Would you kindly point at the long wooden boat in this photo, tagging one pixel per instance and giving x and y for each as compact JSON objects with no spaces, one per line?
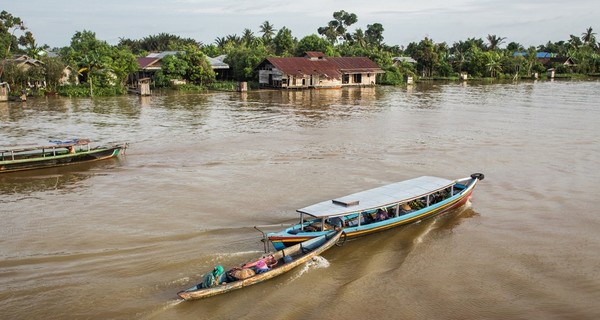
{"x":56,"y":153}
{"x":287,"y":259}
{"x":378,"y":209}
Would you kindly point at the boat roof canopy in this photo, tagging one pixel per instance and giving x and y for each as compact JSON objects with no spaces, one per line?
{"x":378,"y":197}
{"x":55,"y":144}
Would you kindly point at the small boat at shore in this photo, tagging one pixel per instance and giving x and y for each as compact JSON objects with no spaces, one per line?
{"x":284,"y":260}
{"x":56,"y":153}
{"x":378,"y":209}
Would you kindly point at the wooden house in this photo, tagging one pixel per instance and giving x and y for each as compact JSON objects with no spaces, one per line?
{"x":556,"y":61}
{"x":315,"y":70}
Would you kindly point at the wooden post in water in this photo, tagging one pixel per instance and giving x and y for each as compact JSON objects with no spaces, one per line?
{"x":243,"y":86}
{"x":4,"y":89}
{"x":144,"y":87}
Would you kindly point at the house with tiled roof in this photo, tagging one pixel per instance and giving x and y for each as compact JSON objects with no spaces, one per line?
{"x":315,"y":70}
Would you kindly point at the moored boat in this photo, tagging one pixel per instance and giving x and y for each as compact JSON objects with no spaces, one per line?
{"x":379,"y":209}
{"x":56,"y":153}
{"x":285,"y":259}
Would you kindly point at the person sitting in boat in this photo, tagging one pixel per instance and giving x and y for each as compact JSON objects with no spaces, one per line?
{"x":381,"y":215}
{"x":211,"y":279}
{"x":262,"y":265}
{"x":336,"y":222}
{"x":71,"y":149}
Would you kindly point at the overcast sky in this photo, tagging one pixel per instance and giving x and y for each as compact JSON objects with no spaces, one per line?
{"x":528,"y":22}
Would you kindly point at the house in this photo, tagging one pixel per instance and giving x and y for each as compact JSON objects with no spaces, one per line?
{"x":221,"y":69}
{"x":315,"y":70}
{"x":539,"y":55}
{"x":399,"y":60}
{"x":153,"y":62}
{"x":24,"y":63}
{"x":557,"y":61}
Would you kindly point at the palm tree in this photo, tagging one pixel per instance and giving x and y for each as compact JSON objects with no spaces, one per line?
{"x":588,"y":37}
{"x":495,"y":41}
{"x":220,"y":42}
{"x":268,"y":30}
{"x":574,"y":42}
{"x":359,"y":38}
{"x":247,"y":37}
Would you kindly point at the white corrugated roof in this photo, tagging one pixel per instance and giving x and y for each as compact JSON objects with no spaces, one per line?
{"x":378,"y":197}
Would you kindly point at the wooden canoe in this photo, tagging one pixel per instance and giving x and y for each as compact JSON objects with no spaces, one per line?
{"x":287,"y":259}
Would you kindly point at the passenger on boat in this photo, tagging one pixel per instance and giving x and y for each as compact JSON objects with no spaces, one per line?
{"x":211,"y":279}
{"x":262,"y":265}
{"x":336,"y":222}
{"x":381,"y":215}
{"x":71,"y":149}
{"x":406,"y":207}
{"x":354,"y":221}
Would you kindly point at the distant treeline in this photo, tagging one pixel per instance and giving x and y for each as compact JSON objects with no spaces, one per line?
{"x":104,"y":69}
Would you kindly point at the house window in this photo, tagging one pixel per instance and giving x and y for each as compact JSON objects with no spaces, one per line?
{"x":345,"y":79}
{"x":357,"y":78}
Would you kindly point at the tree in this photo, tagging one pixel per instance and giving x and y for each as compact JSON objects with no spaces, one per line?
{"x":494,"y":41}
{"x":172,"y":68}
{"x":493,"y":63}
{"x":514,"y":47}
{"x":9,"y":24}
{"x":268,"y":31}
{"x":424,"y":53}
{"x":199,"y":69}
{"x":284,"y":42}
{"x":359,"y":38}
{"x":336,"y":29}
{"x":248,"y":37}
{"x":314,"y":43}
{"x":243,"y":60}
{"x":54,"y":68}
{"x":374,"y":34}
{"x":589,"y":37}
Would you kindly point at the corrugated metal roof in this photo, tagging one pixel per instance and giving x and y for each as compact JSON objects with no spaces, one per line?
{"x":217,"y":62}
{"x":299,"y":66}
{"x":355,"y":64}
{"x":378,"y":197}
{"x":330,"y":67}
{"x":145,"y":62}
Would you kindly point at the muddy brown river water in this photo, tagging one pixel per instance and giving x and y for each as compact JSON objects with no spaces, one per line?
{"x":118,"y":239}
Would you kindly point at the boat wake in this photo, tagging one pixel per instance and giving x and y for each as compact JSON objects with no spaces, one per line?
{"x":317,"y":262}
{"x":158,"y":312}
{"x":433,"y":225}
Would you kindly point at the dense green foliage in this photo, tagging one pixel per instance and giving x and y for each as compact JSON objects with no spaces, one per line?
{"x":105,"y":69}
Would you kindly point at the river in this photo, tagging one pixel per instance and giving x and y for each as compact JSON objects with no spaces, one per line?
{"x":118,"y":239}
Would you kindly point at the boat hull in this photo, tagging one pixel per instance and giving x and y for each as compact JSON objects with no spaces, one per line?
{"x":60,"y":160}
{"x":286,"y":238}
{"x":300,"y":253}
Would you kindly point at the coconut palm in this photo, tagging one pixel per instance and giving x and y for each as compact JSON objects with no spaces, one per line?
{"x":268,"y":31}
{"x":588,"y":37}
{"x":494,"y":41}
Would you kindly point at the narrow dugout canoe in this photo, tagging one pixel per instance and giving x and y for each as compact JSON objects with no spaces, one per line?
{"x":287,"y":259}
